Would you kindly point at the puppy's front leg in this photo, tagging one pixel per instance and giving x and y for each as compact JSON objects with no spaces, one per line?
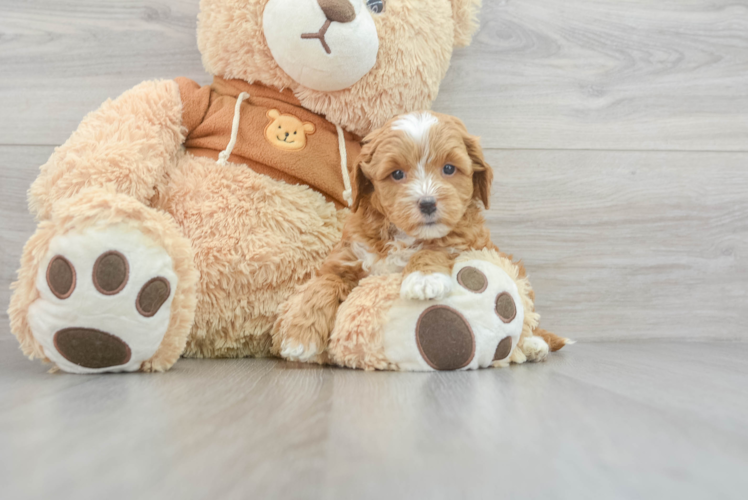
{"x":304,"y":324}
{"x":428,"y":275}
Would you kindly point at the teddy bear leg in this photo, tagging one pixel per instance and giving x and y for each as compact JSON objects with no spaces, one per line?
{"x":357,"y":340}
{"x":487,"y":320}
{"x":106,"y":285}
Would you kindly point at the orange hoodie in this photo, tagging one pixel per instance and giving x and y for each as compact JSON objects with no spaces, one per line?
{"x":276,"y":135}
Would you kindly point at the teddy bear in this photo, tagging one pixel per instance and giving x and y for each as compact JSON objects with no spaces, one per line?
{"x":178,"y":218}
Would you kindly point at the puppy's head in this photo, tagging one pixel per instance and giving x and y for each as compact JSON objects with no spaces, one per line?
{"x":422,"y":171}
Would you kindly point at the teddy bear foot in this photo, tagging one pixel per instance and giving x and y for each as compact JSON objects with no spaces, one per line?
{"x":485,"y":320}
{"x":104,"y":300}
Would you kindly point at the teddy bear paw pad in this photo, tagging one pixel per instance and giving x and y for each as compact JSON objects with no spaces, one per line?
{"x":104,"y":300}
{"x":444,"y":338}
{"x":476,"y":325}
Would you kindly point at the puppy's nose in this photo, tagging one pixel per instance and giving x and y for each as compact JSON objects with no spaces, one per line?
{"x":339,"y":11}
{"x":427,"y":206}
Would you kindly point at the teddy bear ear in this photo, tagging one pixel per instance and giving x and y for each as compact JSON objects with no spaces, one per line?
{"x":309,"y":127}
{"x":273,"y":113}
{"x":465,"y":15}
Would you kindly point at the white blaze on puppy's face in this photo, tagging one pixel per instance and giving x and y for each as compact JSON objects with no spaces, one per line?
{"x":419,"y":172}
{"x":417,"y":126}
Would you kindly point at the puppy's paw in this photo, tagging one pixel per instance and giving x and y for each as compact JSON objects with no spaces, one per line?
{"x":419,"y":286}
{"x":535,"y":349}
{"x":299,"y":352}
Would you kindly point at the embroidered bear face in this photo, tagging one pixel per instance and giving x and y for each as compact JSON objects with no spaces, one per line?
{"x":286,"y":131}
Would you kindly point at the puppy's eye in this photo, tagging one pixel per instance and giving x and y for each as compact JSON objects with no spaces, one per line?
{"x":398,"y":175}
{"x":449,"y":169}
{"x":376,"y":6}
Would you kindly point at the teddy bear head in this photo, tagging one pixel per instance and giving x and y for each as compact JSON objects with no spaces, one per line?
{"x":358,"y":62}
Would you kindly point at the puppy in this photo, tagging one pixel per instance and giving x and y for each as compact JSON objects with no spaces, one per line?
{"x":420,"y":185}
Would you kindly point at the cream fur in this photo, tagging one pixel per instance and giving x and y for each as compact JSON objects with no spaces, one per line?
{"x":357,"y":340}
{"x":263,"y":239}
{"x":129,"y":143}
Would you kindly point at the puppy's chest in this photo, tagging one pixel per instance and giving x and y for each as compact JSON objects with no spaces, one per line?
{"x":393,"y":260}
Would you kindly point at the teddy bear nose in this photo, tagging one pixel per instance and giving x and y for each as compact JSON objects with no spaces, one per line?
{"x":339,"y":11}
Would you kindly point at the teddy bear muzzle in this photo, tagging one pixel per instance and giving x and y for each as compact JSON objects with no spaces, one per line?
{"x":325,"y":45}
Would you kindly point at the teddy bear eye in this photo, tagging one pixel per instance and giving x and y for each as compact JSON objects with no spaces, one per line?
{"x":294,"y":133}
{"x":376,"y":6}
{"x":449,"y":169}
{"x":398,"y":175}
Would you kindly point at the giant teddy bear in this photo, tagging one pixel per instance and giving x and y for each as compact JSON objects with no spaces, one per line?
{"x":178,"y":219}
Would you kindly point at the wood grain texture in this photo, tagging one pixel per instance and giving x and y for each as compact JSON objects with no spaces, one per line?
{"x":579,"y":74}
{"x":603,"y":420}
{"x":62,"y":59}
{"x":19,"y":166}
{"x":628,"y":244}
{"x":605,"y":74}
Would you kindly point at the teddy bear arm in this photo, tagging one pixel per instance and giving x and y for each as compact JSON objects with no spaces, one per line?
{"x":127,"y":145}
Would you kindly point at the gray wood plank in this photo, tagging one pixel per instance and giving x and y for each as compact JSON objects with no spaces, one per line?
{"x":61,"y":60}
{"x":605,"y":74}
{"x":580,"y":74}
{"x":628,"y":244}
{"x":19,"y":166}
{"x":578,"y":426}
{"x":617,"y":244}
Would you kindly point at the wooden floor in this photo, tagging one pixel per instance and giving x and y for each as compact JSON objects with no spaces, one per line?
{"x":605,"y":420}
{"x":619,"y":135}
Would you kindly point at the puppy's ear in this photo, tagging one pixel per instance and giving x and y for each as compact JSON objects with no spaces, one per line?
{"x":465,"y":15}
{"x":482,"y":171}
{"x":360,"y":184}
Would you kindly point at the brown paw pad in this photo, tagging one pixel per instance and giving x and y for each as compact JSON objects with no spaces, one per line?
{"x":152,"y":296}
{"x":61,"y":277}
{"x":472,"y":279}
{"x":503,"y":350}
{"x":91,"y":348}
{"x":505,"y":307}
{"x":110,"y":272}
{"x":445,"y":338}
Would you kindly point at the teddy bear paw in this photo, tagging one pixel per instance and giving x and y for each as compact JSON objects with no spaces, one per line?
{"x":104,"y":300}
{"x":476,"y":324}
{"x":419,"y":286}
